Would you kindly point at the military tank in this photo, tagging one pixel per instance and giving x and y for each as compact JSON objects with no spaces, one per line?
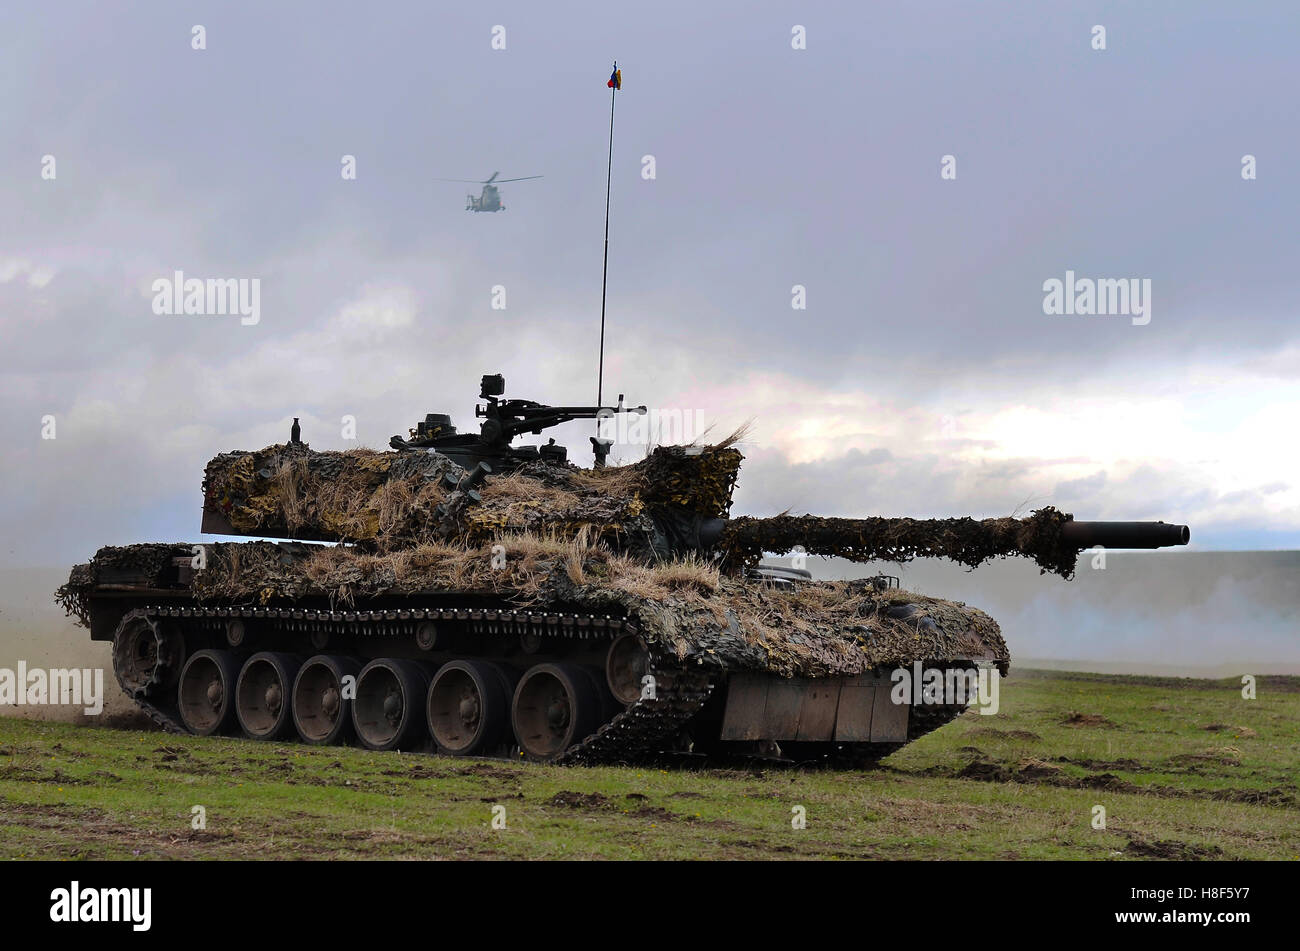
{"x":460,"y":594}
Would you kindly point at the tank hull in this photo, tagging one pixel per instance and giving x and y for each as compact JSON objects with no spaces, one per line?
{"x":742,"y":669}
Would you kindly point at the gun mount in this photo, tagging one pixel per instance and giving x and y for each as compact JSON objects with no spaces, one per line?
{"x":503,"y":420}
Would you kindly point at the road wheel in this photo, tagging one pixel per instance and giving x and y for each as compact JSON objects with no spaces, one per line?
{"x":555,"y":706}
{"x":206,"y":695}
{"x":262,"y":695}
{"x":322,"y":714}
{"x":469,"y":707}
{"x":625,"y":664}
{"x":388,"y":712}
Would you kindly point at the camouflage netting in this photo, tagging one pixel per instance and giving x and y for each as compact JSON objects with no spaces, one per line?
{"x":700,"y":479}
{"x":684,"y":607}
{"x":292,"y":492}
{"x":126,"y":566}
{"x":72,"y":595}
{"x":392,"y":499}
{"x":964,"y":540}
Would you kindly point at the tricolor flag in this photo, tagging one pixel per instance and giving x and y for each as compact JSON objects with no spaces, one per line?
{"x":615,"y":79}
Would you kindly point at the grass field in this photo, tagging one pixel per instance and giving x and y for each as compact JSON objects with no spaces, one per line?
{"x":1183,"y":769}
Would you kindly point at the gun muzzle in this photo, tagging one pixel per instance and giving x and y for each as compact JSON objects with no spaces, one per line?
{"x":1124,"y":534}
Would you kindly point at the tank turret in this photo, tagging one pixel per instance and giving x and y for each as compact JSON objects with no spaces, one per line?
{"x":674,"y":503}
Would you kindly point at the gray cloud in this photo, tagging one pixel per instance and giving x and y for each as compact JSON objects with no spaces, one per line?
{"x":775,"y":168}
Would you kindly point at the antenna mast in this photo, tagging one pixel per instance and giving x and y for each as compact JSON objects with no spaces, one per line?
{"x":615,"y":83}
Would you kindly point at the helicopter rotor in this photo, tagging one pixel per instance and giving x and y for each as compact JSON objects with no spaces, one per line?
{"x":488,"y":181}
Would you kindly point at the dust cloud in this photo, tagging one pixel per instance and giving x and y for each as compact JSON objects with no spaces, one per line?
{"x":34,"y":629}
{"x":1180,"y":613}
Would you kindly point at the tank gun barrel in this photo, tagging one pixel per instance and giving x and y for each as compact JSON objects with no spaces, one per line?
{"x":1051,"y":538}
{"x":1124,"y":534}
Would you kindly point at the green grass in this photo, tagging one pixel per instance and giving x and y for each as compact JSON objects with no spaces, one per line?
{"x":1020,"y":784}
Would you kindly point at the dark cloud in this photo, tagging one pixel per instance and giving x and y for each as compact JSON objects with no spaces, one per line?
{"x":776,"y":167}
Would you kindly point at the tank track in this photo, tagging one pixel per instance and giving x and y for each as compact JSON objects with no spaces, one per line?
{"x":368,"y":622}
{"x":650,"y":725}
{"x":140,"y":695}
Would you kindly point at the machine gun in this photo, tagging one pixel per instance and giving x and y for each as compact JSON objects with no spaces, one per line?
{"x":503,"y":420}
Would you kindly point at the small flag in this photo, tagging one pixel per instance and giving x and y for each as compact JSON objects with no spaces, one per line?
{"x":615,"y":79}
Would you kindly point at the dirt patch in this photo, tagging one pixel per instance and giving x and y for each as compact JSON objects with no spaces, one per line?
{"x":1171,"y":849}
{"x":71,"y":754}
{"x":1238,"y":732}
{"x":96,"y":835}
{"x":34,"y":774}
{"x":983,"y":770}
{"x":1130,"y":765}
{"x":1106,"y":781}
{"x":1039,"y":771}
{"x":1074,"y":718}
{"x":577,"y":800}
{"x":1277,"y":796}
{"x":1036,"y":769}
{"x":1219,"y":756}
{"x":133,"y":720}
{"x":415,"y":772}
{"x":487,"y":771}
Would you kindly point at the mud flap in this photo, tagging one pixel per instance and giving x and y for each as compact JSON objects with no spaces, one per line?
{"x":844,"y":709}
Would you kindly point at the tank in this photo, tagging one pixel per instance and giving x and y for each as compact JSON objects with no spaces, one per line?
{"x":461,"y":594}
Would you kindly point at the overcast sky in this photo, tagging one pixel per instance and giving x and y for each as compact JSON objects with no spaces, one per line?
{"x":922,"y":378}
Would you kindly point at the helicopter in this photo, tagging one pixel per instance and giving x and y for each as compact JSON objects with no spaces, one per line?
{"x":490,"y":199}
